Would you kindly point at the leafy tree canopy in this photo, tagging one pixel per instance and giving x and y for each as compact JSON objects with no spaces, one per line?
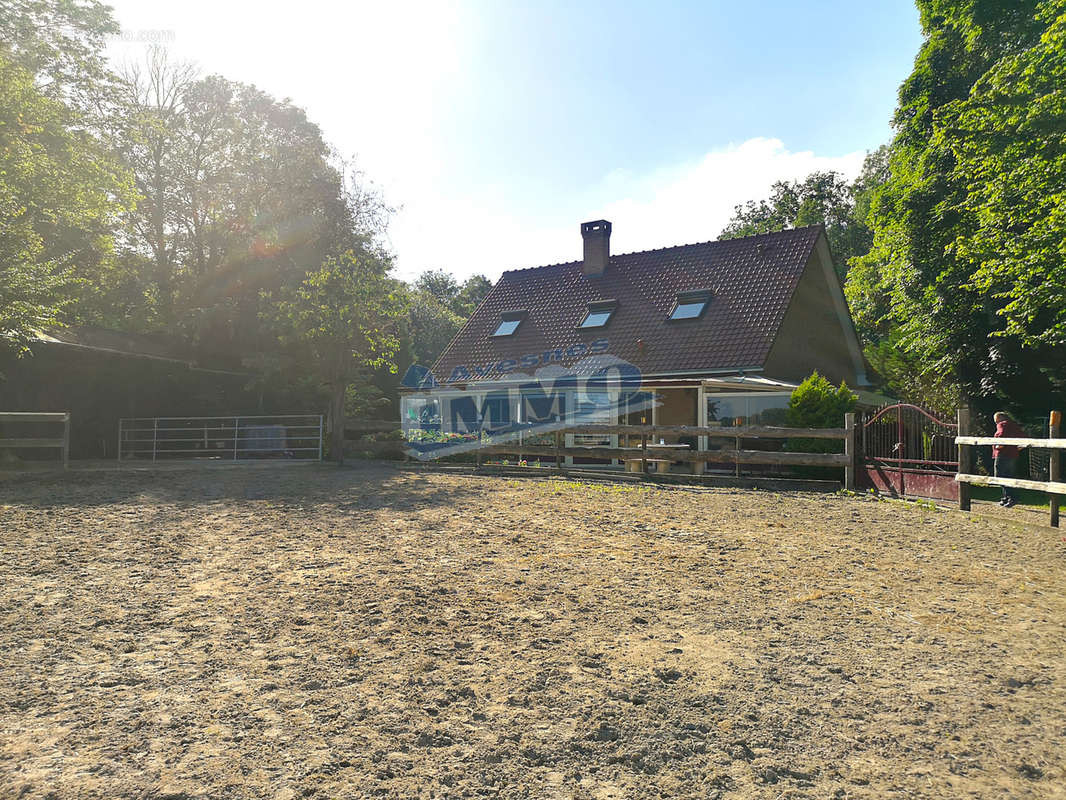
{"x":439,"y":305}
{"x":59,"y":194}
{"x":61,"y":44}
{"x":337,"y":326}
{"x":822,"y":198}
{"x":966,"y":272}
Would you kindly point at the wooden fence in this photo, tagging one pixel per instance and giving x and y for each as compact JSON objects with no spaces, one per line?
{"x":646,"y":452}
{"x":58,"y":443}
{"x":1053,"y":486}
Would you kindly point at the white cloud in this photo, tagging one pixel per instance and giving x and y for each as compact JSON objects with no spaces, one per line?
{"x":679,"y":204}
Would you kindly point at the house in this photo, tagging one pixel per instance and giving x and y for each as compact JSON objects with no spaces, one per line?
{"x":715,"y":333}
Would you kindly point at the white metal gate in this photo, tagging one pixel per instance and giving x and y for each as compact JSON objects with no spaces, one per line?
{"x":293,"y":437}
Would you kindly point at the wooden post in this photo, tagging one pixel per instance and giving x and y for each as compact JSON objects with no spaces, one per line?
{"x":477,"y":454}
{"x":850,"y":450}
{"x":1054,"y":465}
{"x":558,"y":447}
{"x":644,"y":453}
{"x":66,"y":440}
{"x":965,"y":459}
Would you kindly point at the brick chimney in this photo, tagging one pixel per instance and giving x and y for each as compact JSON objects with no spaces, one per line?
{"x":597,"y":236}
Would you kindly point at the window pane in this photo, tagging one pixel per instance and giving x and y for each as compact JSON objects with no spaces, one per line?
{"x":767,"y":410}
{"x":593,"y":407}
{"x":688,"y":310}
{"x":724,"y":410}
{"x":596,"y":319}
{"x":507,"y":327}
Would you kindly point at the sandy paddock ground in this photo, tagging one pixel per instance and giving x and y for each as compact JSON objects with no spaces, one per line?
{"x":367,"y":632}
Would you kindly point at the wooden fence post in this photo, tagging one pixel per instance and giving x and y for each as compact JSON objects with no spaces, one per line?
{"x":644,"y":453}
{"x":66,"y":440}
{"x":965,"y":459}
{"x":558,"y":447}
{"x":850,"y":451}
{"x":477,"y":456}
{"x":1054,"y":465}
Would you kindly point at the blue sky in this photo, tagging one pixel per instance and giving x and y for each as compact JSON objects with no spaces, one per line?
{"x":496,"y":127}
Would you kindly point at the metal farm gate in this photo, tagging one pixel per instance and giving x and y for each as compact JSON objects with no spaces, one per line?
{"x":295,"y":437}
{"x":909,"y":452}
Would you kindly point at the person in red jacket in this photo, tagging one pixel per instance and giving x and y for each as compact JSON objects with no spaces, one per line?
{"x":1006,"y":455}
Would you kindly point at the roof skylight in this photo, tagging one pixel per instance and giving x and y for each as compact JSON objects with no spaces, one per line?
{"x":598,"y":314}
{"x":691,"y":305}
{"x":509,"y":322}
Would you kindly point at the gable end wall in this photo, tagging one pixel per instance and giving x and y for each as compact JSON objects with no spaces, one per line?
{"x":811,"y":336}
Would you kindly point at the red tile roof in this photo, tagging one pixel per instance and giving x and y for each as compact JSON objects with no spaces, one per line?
{"x":751,"y":279}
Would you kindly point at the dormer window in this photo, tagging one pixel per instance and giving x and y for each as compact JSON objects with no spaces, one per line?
{"x":598,"y":314}
{"x":691,"y":305}
{"x":509,"y":322}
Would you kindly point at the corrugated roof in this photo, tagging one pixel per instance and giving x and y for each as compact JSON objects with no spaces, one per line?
{"x":752,"y":280}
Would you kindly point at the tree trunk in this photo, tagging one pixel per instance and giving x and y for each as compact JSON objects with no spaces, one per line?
{"x":336,"y":446}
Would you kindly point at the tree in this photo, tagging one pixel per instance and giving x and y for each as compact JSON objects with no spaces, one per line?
{"x":474,"y":289}
{"x":439,"y":305}
{"x":438,"y":284}
{"x":61,"y":44}
{"x":59,"y":194}
{"x":240,"y":194}
{"x":964,"y":276}
{"x":1008,"y":140}
{"x":431,"y":325}
{"x":822,"y":198}
{"x":337,"y":326}
{"x":461,"y":299}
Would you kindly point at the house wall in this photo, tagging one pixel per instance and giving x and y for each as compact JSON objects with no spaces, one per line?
{"x":811,"y":335}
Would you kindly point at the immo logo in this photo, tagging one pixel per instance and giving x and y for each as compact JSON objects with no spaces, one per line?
{"x":496,"y":402}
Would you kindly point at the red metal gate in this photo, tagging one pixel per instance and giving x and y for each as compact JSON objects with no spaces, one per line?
{"x":909,"y":452}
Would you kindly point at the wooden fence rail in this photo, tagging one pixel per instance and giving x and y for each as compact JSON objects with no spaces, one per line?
{"x":1053,"y":486}
{"x":712,"y":432}
{"x":1047,"y":444}
{"x":697,"y":456}
{"x":647,"y":452}
{"x":59,"y":443}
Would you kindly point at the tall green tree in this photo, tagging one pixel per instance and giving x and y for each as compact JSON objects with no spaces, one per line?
{"x":431,"y":325}
{"x":60,"y":188}
{"x":240,"y":194}
{"x":822,"y":198}
{"x":337,"y":327}
{"x":964,"y":278}
{"x":474,"y":289}
{"x":461,"y":299}
{"x":439,"y":305}
{"x":59,"y":196}
{"x":61,"y":44}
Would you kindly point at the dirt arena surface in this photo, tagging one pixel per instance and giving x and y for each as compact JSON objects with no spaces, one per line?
{"x":367,"y":632}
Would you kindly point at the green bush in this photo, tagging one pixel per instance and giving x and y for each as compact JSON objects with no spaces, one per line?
{"x":815,"y":403}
